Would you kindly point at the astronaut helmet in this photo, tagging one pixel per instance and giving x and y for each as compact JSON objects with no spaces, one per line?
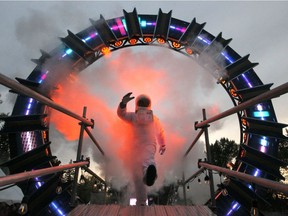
{"x":143,"y":101}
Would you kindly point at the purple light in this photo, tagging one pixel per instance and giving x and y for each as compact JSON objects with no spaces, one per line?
{"x":264,"y":142}
{"x":43,"y":76}
{"x":121,"y":26}
{"x":235,"y":207}
{"x":263,"y":149}
{"x":247,"y":81}
{"x":256,"y":172}
{"x":181,"y":29}
{"x":29,"y":106}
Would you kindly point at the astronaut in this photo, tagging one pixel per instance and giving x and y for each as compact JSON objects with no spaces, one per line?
{"x":147,"y":133}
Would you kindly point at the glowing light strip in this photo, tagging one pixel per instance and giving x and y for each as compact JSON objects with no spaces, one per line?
{"x":121,"y":26}
{"x":263,"y":149}
{"x":56,"y":208}
{"x":264,"y":142}
{"x":29,"y":106}
{"x":261,"y":114}
{"x":67,"y":52}
{"x":235,"y":207}
{"x":28,"y":135}
{"x":247,"y":81}
{"x":43,"y":77}
{"x":256,"y":173}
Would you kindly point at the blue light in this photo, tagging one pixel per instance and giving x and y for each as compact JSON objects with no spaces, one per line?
{"x":264,"y":142}
{"x":235,"y":207}
{"x":247,"y":81}
{"x":143,"y":23}
{"x":261,"y":114}
{"x":256,"y":172}
{"x":204,"y":40}
{"x":57,"y":208}
{"x":68,"y":51}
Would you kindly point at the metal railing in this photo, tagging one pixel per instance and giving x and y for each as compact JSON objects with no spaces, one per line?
{"x":276,"y":92}
{"x":84,"y":122}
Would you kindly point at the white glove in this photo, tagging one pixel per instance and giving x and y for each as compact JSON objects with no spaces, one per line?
{"x":162,"y":149}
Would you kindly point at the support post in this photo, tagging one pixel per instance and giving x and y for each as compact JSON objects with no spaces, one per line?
{"x":209,"y":158}
{"x":184,"y":189}
{"x":94,"y":140}
{"x":276,"y":92}
{"x":78,"y":158}
{"x":194,"y":142}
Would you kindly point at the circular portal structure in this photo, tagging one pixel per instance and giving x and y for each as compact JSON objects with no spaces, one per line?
{"x":28,"y":126}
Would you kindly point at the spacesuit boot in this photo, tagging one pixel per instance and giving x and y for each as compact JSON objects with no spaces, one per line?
{"x":150,"y":175}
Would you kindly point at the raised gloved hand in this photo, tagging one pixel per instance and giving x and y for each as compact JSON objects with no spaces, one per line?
{"x":127,"y":98}
{"x":162,"y":149}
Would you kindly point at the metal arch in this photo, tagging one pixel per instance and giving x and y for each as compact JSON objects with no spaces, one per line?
{"x":188,"y":36}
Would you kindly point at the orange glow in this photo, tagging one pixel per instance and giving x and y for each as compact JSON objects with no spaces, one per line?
{"x":176,"y":45}
{"x":189,"y":50}
{"x":161,"y":40}
{"x":133,"y":41}
{"x":102,"y":90}
{"x":242,"y":153}
{"x":147,"y":39}
{"x":105,"y":50}
{"x":118,"y":43}
{"x":245,"y":137}
{"x":244,"y":122}
{"x":232,"y":92}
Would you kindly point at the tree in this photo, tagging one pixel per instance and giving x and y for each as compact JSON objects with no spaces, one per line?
{"x":4,"y":143}
{"x":223,"y":150}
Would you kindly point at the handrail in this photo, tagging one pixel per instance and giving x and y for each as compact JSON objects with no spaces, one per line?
{"x":276,"y":92}
{"x":14,"y":178}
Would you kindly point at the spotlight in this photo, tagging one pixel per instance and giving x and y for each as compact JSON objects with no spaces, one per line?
{"x":199,"y":181}
{"x":59,"y":189}
{"x":188,"y":187}
{"x":161,"y":40}
{"x":105,"y":50}
{"x":118,"y":43}
{"x":23,"y":209}
{"x":233,"y":92}
{"x":244,"y":122}
{"x":147,"y":39}
{"x":133,"y":41}
{"x":189,"y":50}
{"x":242,"y":153}
{"x":176,"y":45}
{"x":224,"y":192}
{"x":82,"y":180}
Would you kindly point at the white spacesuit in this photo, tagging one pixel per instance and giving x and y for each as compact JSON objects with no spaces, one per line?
{"x":147,"y":133}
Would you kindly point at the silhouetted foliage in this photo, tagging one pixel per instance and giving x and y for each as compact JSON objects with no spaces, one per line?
{"x":222,"y":151}
{"x":4,"y":144}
